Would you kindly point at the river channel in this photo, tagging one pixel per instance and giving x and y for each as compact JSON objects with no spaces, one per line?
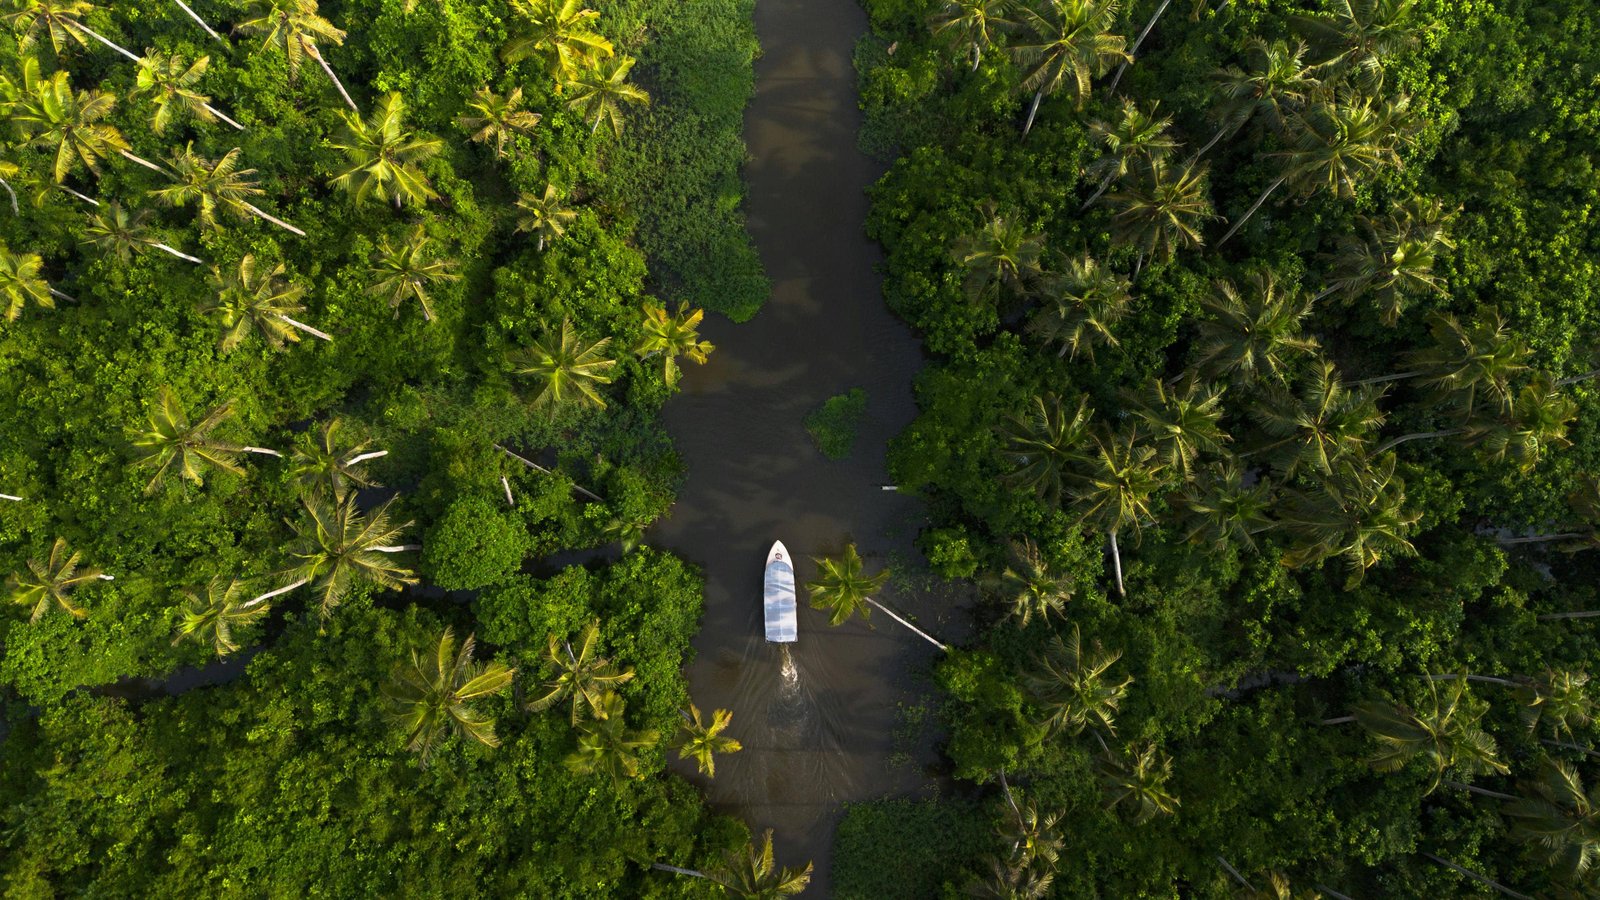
{"x":822,"y":735}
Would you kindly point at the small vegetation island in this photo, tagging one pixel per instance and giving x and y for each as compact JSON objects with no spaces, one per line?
{"x":1257,"y":427}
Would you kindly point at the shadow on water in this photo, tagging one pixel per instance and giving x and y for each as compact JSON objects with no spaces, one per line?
{"x":825,"y":737}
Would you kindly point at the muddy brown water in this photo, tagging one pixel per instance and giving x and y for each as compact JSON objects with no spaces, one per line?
{"x":824,"y":736}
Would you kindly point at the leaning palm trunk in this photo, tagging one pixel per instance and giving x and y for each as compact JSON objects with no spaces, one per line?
{"x":1116,"y":561}
{"x":314,"y":53}
{"x":1582,"y":614}
{"x":1253,"y":207}
{"x":1541,"y":538}
{"x":1481,"y":679}
{"x":201,"y":22}
{"x":221,"y":115}
{"x":89,"y":200}
{"x":1562,"y":383}
{"x":1417,"y":436}
{"x":143,"y":162}
{"x":663,"y":867}
{"x":365,"y":456}
{"x":304,"y":327}
{"x":1474,"y":789}
{"x":12,"y":497}
{"x":12,"y":194}
{"x":179,"y":254}
{"x":261,"y":450}
{"x":97,"y":36}
{"x":1587,"y":751}
{"x":1137,"y":41}
{"x":401,"y":548}
{"x":1221,"y":132}
{"x":1104,"y":183}
{"x":1476,"y":877}
{"x":68,"y":297}
{"x":920,"y":633}
{"x":1033,"y":110}
{"x":273,"y":593}
{"x":273,"y":219}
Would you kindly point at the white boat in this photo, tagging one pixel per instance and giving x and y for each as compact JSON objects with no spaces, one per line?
{"x":783,"y":626}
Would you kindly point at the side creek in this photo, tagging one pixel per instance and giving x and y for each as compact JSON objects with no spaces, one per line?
{"x":822,"y":734}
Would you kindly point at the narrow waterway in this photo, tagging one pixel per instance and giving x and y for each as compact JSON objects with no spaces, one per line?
{"x":822,"y":734}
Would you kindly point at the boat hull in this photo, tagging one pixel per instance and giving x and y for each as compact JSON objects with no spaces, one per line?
{"x":778,"y":597}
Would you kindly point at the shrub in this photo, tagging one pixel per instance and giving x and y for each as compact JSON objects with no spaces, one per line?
{"x":834,"y":424}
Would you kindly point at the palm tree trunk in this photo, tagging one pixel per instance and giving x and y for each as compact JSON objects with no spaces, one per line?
{"x":1390,"y":445}
{"x":56,"y":293}
{"x":1033,"y":110}
{"x":89,"y":200}
{"x":1578,"y":747}
{"x":1137,"y":42}
{"x":12,"y":497}
{"x":538,"y":468}
{"x":1476,"y":877}
{"x":221,"y":115}
{"x":506,"y":483}
{"x":977,"y":55}
{"x":1541,"y":538}
{"x":1228,"y":867}
{"x":365,"y":456}
{"x":398,"y":548}
{"x":96,"y":35}
{"x":179,"y":254}
{"x":1474,"y":789}
{"x":312,"y":51}
{"x":1331,"y":892}
{"x":1211,"y":143}
{"x":273,"y":219}
{"x":273,"y":593}
{"x":306,"y":328}
{"x":201,"y":22}
{"x":663,"y":867}
{"x":1009,"y":799}
{"x":1585,"y":614}
{"x":1482,"y":679}
{"x":1105,"y":183}
{"x":1564,"y":381}
{"x":1253,"y":207}
{"x":920,"y":633}
{"x":1341,"y":720}
{"x":12,"y":194}
{"x":144,"y":162}
{"x":1381,"y":379}
{"x":1116,"y":559}
{"x":262,"y":450}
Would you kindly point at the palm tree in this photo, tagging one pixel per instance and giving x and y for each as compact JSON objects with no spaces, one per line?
{"x":384,"y":157}
{"x":700,"y":741}
{"x":1359,"y":35}
{"x":212,"y":618}
{"x":1000,"y":254}
{"x":1137,"y":135}
{"x":844,"y":592}
{"x":1358,"y":513}
{"x":1445,"y":733}
{"x":1033,"y":836}
{"x":1277,"y":85}
{"x":323,"y":459}
{"x":52,"y":116}
{"x":975,"y":24}
{"x":751,"y":874}
{"x":602,"y":93}
{"x":170,"y":80}
{"x":337,"y":544}
{"x":1562,"y":818}
{"x":567,"y":367}
{"x":1010,"y":880}
{"x":1120,"y":481}
{"x":404,"y":271}
{"x":1065,"y":40}
{"x":1186,"y":420}
{"x":21,"y":283}
{"x":1082,"y":304}
{"x":1162,"y":210}
{"x":171,"y":440}
{"x":1219,"y":508}
{"x":294,"y":27}
{"x":249,"y":301}
{"x":546,"y":215}
{"x":1325,"y":421}
{"x":58,"y":19}
{"x":1030,"y":586}
{"x":1042,"y":444}
{"x":1339,"y":143}
{"x":1559,"y":698}
{"x":581,"y":676}
{"x":434,"y":694}
{"x":1537,"y":421}
{"x":1140,"y":780}
{"x":1254,"y":335}
{"x":1071,"y":686}
{"x":671,"y":335}
{"x":219,"y":185}
{"x":51,"y":583}
{"x":560,"y":33}
{"x":497,"y":119}
{"x":1394,"y":258}
{"x":1466,"y":359}
{"x":116,"y":231}
{"x":606,"y":744}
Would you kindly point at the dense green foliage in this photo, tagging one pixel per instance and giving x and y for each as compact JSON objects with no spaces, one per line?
{"x":1262,"y":417}
{"x":289,"y":355}
{"x":835,"y":423}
